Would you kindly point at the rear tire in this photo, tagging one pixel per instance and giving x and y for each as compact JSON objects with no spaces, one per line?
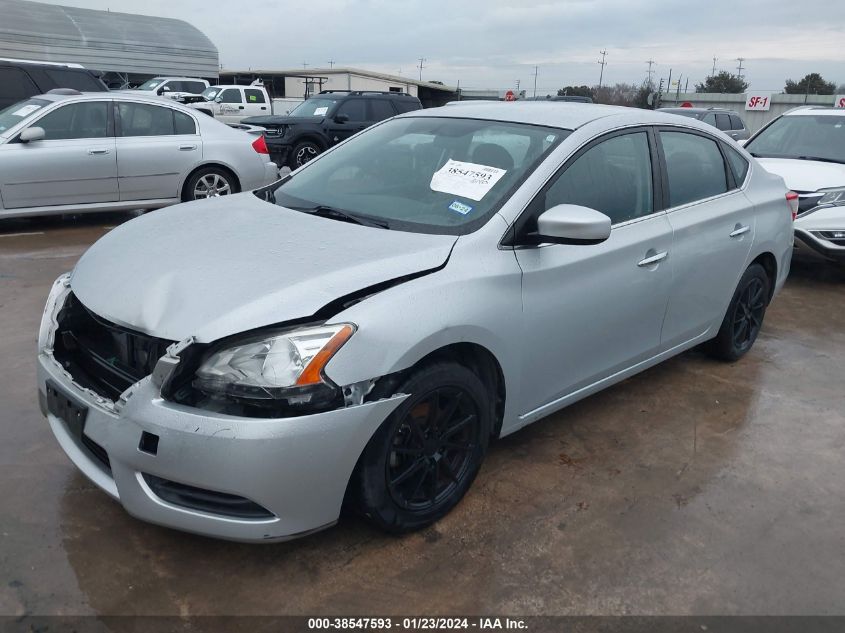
{"x":421,"y":461}
{"x":744,"y":318}
{"x":210,"y":182}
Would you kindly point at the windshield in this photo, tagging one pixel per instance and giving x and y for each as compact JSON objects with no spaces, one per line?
{"x":210,"y":93}
{"x":16,"y":113}
{"x":428,"y":175}
{"x":807,"y":136}
{"x":151,"y":84}
{"x":313,"y":107}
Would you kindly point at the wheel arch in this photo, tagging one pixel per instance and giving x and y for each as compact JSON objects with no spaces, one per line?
{"x":770,"y":264}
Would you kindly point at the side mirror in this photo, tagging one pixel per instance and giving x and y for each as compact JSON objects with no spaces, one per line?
{"x":573,"y":224}
{"x":341,"y":118}
{"x":32,"y":134}
{"x":218,"y":100}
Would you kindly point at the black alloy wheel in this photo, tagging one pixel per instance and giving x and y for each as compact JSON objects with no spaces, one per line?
{"x":744,"y":318}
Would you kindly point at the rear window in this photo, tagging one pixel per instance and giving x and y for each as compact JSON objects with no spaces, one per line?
{"x":76,"y":79}
{"x":15,"y":85}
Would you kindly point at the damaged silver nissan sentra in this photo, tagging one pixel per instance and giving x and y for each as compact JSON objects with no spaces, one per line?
{"x":358,"y":331}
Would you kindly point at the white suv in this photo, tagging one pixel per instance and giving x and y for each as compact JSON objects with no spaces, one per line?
{"x":806,"y":147}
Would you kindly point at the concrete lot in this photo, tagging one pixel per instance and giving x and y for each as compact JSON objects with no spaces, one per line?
{"x":695,"y":487}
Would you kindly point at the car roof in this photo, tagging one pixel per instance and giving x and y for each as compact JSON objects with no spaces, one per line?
{"x":560,"y":114}
{"x":121,"y":95}
{"x":680,"y":109}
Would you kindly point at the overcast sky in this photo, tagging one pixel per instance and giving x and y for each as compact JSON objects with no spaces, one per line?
{"x":492,"y":43}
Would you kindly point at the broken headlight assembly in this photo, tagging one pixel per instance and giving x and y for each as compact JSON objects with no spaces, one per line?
{"x":271,"y":374}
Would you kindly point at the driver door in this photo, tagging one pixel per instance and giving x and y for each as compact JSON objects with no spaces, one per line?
{"x":591,"y":311}
{"x":356,"y":111}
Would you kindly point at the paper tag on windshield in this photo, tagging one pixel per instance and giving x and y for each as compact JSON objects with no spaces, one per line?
{"x":320,"y":111}
{"x":27,"y":109}
{"x":467,"y":180}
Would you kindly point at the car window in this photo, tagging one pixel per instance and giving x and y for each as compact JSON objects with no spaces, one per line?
{"x":354,"y":109}
{"x":694,"y":166}
{"x":171,"y":86}
{"x":150,"y":84}
{"x":183,"y":123}
{"x":231,"y":95}
{"x":738,"y":164}
{"x":194,"y":87}
{"x":88,"y":119}
{"x":736,"y":123}
{"x":723,"y":122}
{"x":142,"y":119}
{"x":15,"y":85}
{"x":709,"y":119}
{"x":254,"y":96}
{"x":613,"y":177}
{"x":380,"y":109}
{"x":76,"y":79}
{"x":406,"y":105}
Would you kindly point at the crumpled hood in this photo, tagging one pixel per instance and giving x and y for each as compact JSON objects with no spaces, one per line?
{"x":806,"y":175}
{"x":218,"y":267}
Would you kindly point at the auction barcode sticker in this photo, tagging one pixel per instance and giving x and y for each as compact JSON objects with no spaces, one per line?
{"x":467,"y":180}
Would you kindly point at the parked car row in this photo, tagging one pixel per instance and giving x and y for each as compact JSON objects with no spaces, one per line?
{"x":359,"y":331}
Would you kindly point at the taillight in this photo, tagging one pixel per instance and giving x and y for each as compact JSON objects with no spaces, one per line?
{"x":792,"y":201}
{"x":260,"y":145}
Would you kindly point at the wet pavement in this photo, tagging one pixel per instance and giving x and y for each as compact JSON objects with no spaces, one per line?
{"x":694,"y":488}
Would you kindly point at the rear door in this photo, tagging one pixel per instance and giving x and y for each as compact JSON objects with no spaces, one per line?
{"x":713,"y":224}
{"x":380,"y":109}
{"x":74,"y":164}
{"x":157,"y":146}
{"x":255,"y":103}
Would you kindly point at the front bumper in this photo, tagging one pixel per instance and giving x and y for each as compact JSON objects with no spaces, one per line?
{"x":296,"y":468}
{"x":279,"y":149}
{"x":812,"y":246}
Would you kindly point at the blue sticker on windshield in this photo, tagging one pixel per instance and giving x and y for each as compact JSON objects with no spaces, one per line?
{"x":459,"y":207}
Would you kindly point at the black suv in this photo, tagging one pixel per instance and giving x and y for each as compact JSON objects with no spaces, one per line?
{"x":21,"y":80}
{"x":327,"y":119}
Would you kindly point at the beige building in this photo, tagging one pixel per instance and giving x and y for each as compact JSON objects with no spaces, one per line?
{"x":299,"y":83}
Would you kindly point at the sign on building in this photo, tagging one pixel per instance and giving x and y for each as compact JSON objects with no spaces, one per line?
{"x":839,"y":101}
{"x":758,"y":101}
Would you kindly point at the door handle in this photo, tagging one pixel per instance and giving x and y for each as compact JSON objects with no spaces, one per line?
{"x":263,"y":108}
{"x":740,"y":230}
{"x":240,"y":107}
{"x":187,"y":148}
{"x":98,"y":151}
{"x":652,"y":258}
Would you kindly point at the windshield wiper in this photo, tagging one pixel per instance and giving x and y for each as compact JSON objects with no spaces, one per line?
{"x":338,"y":214}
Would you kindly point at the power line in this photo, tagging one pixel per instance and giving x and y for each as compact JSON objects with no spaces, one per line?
{"x":603,"y":63}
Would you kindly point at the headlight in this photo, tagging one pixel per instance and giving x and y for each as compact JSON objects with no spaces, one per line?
{"x":55,"y":301}
{"x":833,"y":197}
{"x":282,"y":366}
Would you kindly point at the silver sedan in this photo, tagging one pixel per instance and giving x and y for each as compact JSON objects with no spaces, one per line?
{"x":362,"y":329}
{"x":69,"y":152}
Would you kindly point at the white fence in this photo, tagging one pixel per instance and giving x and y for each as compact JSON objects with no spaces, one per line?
{"x":754,"y":118}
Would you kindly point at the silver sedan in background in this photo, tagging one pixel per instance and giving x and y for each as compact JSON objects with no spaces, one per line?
{"x":69,"y":152}
{"x":363,"y":328}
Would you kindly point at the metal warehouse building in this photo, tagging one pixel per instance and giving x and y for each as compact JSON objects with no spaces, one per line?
{"x":125,"y":46}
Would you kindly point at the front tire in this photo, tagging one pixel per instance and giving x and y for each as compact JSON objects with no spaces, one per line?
{"x":744,"y":318}
{"x":424,"y":457}
{"x":303,"y":152}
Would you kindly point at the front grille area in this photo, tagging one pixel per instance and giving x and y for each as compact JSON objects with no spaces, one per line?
{"x":102,"y":356}
{"x":210,"y":501}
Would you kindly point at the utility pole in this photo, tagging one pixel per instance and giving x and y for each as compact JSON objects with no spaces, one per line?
{"x":603,"y":63}
{"x":517,"y":86}
{"x":422,"y":60}
{"x":713,"y":74}
{"x":304,"y":65}
{"x":739,"y":68}
{"x":650,"y":71}
{"x":536,"y":70}
{"x":330,"y":63}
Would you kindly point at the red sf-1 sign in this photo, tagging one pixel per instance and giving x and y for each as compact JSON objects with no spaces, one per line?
{"x":839,"y":101}
{"x":510,"y":96}
{"x":758,"y":101}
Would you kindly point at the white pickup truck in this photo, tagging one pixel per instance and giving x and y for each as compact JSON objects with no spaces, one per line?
{"x":231,"y":103}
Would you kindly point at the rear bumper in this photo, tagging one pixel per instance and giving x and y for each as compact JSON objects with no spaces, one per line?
{"x":296,"y":469}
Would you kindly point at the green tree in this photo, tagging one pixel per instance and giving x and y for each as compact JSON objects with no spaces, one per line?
{"x":723,"y":82}
{"x":812,"y":84}
{"x":576,"y":91}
